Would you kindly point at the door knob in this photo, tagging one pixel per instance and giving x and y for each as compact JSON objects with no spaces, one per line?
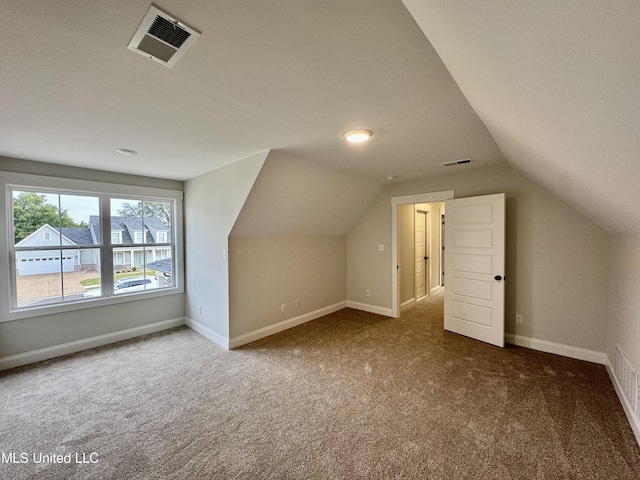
{"x":426,"y":258}
{"x":498,"y":277}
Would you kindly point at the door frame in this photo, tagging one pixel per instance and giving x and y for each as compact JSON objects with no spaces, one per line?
{"x":429,"y":197}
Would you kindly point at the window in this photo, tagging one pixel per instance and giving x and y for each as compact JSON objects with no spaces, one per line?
{"x":58,"y":249}
{"x":161,"y":237}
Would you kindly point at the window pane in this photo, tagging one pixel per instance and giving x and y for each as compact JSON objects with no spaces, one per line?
{"x":130,"y":273}
{"x":36,"y":219}
{"x":162,"y":264}
{"x":40,"y":218}
{"x":81,"y":220}
{"x":142,"y":221}
{"x":54,"y":276}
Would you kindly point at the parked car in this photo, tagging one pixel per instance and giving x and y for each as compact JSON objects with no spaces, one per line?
{"x":126,"y":285}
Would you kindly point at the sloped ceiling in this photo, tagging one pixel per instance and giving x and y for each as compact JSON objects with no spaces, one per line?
{"x":551,"y":85}
{"x":558,"y":86}
{"x":293,"y":196}
{"x":287,"y":75}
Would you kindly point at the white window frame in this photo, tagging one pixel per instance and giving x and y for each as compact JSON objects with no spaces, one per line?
{"x":105,"y":191}
{"x":138,"y":236}
{"x":47,"y":236}
{"x":119,"y":235}
{"x":161,"y":237}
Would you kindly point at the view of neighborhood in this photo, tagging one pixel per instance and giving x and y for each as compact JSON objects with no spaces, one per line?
{"x":59,"y":243}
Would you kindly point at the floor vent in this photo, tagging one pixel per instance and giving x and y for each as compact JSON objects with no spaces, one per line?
{"x":162,"y":38}
{"x":456,"y":162}
{"x":626,"y":376}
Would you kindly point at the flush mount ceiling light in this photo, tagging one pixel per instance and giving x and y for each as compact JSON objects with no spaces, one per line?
{"x":358,"y":136}
{"x":126,"y":151}
{"x":391,"y":177}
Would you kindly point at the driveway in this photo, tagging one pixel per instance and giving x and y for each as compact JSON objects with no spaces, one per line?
{"x":32,"y":288}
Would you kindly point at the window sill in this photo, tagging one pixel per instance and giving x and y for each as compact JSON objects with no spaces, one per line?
{"x":33,"y":312}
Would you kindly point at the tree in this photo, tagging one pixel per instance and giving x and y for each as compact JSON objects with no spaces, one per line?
{"x":159,"y":210}
{"x":30,"y":212}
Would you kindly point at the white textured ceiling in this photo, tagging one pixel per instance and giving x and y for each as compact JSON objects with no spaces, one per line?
{"x":291,"y":75}
{"x":558,"y":85}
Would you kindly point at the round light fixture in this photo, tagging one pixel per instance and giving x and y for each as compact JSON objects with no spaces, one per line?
{"x":391,"y":177}
{"x":358,"y":136}
{"x":126,"y":151}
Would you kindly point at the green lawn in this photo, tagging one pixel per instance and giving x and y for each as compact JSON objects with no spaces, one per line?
{"x":94,"y":282}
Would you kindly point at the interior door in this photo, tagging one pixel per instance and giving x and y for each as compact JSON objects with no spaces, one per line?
{"x":474,"y":255}
{"x":421,"y":253}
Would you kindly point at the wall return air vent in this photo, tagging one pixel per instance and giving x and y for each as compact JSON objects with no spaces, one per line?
{"x":162,"y":38}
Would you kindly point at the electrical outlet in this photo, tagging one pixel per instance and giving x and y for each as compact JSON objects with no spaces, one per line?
{"x":225,"y":255}
{"x":283,"y":307}
{"x":367,"y":293}
{"x":518,"y":319}
{"x":381,"y":248}
{"x":298,"y":303}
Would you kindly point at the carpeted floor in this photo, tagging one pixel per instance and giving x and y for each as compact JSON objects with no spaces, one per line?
{"x":351,"y":395}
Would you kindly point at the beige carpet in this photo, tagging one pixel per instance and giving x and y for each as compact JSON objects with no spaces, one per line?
{"x":351,"y":395}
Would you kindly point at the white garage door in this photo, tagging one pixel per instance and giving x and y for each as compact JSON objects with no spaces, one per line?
{"x":41,"y":265}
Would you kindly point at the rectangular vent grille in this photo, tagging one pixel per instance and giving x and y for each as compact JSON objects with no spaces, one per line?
{"x":456,"y":162}
{"x":171,"y":33}
{"x":162,"y":38}
{"x":626,"y":376}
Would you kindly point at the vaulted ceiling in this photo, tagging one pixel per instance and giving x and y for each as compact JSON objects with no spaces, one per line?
{"x":558,"y":86}
{"x":549,"y":87}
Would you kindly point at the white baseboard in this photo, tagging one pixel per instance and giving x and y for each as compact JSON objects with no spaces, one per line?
{"x":284,"y":325}
{"x":557,"y":348}
{"x":437,"y":289}
{"x":207,"y":333}
{"x":408,"y":304}
{"x":86,"y":343}
{"x":634,"y":420}
{"x":370,"y":308}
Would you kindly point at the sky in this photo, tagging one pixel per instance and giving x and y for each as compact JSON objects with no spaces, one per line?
{"x":80,"y":208}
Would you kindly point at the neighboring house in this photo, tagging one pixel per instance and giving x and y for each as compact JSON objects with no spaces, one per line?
{"x":164,"y":271}
{"x":48,"y":261}
{"x":124,"y":231}
{"x":135,"y":230}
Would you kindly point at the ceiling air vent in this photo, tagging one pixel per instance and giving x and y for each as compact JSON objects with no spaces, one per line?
{"x":456,"y":162}
{"x":162,"y":38}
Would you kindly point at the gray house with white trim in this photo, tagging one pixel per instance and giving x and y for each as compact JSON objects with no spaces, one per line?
{"x":138,"y":236}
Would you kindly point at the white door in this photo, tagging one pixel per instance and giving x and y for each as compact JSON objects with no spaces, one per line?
{"x":474,"y":255}
{"x":421,"y":253}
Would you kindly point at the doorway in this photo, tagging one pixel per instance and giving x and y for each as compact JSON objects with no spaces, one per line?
{"x":398,"y":275}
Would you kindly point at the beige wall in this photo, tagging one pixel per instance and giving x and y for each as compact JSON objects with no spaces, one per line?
{"x":557,"y":260}
{"x":266,"y":272}
{"x":212,"y":204}
{"x":623,"y":309}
